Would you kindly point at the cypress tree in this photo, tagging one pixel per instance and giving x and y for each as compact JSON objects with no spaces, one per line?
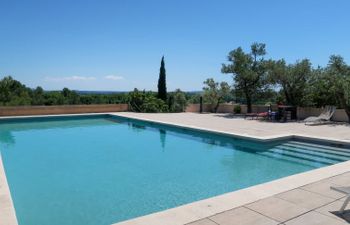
{"x":162,"y":82}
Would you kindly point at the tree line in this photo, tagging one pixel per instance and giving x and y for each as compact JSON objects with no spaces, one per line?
{"x":14,"y":93}
{"x":296,"y":84}
{"x":256,"y":80}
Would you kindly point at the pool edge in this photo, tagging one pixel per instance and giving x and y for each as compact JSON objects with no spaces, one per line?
{"x":7,"y":209}
{"x":237,"y":135}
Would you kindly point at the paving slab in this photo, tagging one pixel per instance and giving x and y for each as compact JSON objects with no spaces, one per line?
{"x":341,"y":180}
{"x":203,"y":222}
{"x":305,"y":199}
{"x":277,"y":209}
{"x":323,"y":188}
{"x":332,"y":210}
{"x":228,"y":123}
{"x":314,"y":218}
{"x":242,"y":216}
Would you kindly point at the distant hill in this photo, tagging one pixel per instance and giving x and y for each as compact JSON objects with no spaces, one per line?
{"x":121,"y":92}
{"x":100,"y":92}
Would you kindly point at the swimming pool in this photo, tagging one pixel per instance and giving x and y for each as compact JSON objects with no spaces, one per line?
{"x":104,"y":169}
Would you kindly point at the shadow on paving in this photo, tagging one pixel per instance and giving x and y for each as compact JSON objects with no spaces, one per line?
{"x":344,"y":216}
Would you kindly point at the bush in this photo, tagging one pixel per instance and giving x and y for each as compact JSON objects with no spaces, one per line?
{"x":146,"y":102}
{"x":177,"y":101}
{"x":152,"y":104}
{"x":237,"y":109}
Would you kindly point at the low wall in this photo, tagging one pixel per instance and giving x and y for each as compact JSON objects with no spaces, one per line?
{"x":196,"y":108}
{"x":60,"y":109}
{"x":225,"y":108}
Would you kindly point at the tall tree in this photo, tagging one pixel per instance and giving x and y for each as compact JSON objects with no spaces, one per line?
{"x":13,"y":92}
{"x":216,"y":93}
{"x":248,"y":70}
{"x":293,"y":79}
{"x":162,"y":94}
{"x":338,"y":75}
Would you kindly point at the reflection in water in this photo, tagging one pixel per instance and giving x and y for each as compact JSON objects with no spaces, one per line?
{"x":8,"y":126}
{"x":162,"y":135}
{"x":136,"y":127}
{"x":7,"y":138}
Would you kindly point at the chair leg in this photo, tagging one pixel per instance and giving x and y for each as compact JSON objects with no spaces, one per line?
{"x":346,"y":202}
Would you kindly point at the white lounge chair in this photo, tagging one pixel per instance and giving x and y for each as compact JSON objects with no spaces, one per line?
{"x":323,"y":118}
{"x":346,"y":191}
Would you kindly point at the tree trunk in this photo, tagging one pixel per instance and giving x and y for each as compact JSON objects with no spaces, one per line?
{"x":217,"y":105}
{"x":249,"y":103}
{"x":347,"y":110}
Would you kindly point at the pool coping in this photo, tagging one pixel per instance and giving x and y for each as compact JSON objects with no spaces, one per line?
{"x":197,"y":210}
{"x":7,"y":209}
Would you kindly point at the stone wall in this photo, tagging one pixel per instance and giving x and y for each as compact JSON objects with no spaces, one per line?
{"x":61,"y":109}
{"x":225,"y":108}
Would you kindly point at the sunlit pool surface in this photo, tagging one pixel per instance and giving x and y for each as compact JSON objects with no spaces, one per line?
{"x":97,"y":170}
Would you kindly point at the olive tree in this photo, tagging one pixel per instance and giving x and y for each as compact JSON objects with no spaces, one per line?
{"x":215,"y":92}
{"x":293,"y":79}
{"x":248,"y":70}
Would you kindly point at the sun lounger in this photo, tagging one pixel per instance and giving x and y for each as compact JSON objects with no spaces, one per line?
{"x":323,"y":118}
{"x":346,"y":191}
{"x":263,"y":115}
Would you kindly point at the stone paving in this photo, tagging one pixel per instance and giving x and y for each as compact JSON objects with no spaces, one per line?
{"x":313,"y":204}
{"x":238,"y":125}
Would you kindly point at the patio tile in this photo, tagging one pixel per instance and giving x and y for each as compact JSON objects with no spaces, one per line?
{"x":332,"y":209}
{"x":343,"y":179}
{"x":242,"y":216}
{"x":277,"y":209}
{"x":305,"y":199}
{"x":203,"y":222}
{"x":314,"y":218}
{"x":323,"y":188}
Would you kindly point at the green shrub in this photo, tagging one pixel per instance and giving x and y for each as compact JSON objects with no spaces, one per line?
{"x":237,"y":109}
{"x":146,"y":102}
{"x":152,"y":104}
{"x":177,"y":101}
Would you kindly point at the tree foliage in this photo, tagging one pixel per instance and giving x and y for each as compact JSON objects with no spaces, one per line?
{"x":248,"y":70}
{"x":177,"y":101}
{"x":216,"y":93}
{"x":14,"y":93}
{"x":337,"y":75}
{"x":146,"y":102}
{"x":293,"y":79}
{"x":162,"y":92}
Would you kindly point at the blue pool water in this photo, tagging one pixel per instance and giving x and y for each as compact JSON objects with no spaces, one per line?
{"x":101,"y":170}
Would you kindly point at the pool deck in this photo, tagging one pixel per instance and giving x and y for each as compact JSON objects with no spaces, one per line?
{"x":7,"y":211}
{"x":257,"y":129}
{"x":303,"y":198}
{"x":298,"y":199}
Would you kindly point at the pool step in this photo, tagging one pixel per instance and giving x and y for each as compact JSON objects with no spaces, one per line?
{"x":313,"y":153}
{"x":301,"y":152}
{"x":281,"y":154}
{"x":295,"y":158}
{"x":323,"y":148}
{"x":308,"y":152}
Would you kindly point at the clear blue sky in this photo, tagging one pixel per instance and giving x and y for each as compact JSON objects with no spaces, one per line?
{"x":118,"y":44}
